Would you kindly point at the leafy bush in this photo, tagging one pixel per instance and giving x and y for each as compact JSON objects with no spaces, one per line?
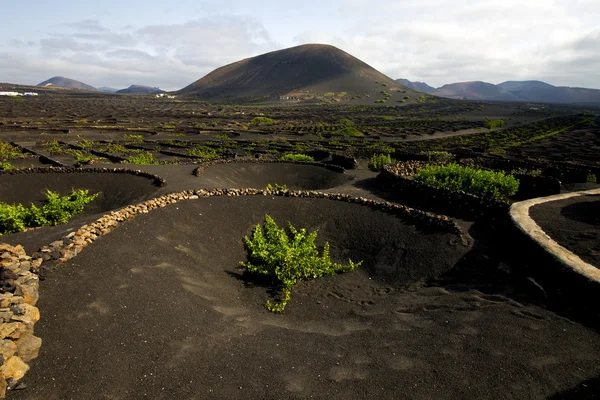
{"x":378,"y":161}
{"x":438,"y":156}
{"x":146,"y":158}
{"x":592,"y":178}
{"x":482,"y":183}
{"x":6,"y":166}
{"x":348,"y":131}
{"x":288,"y":259}
{"x":133,"y":138}
{"x":276,"y":187}
{"x":263,"y":121}
{"x":56,"y":210}
{"x":8,"y":151}
{"x":493,"y":123}
{"x":525,"y":171}
{"x":297,"y":157}
{"x":203,"y":152}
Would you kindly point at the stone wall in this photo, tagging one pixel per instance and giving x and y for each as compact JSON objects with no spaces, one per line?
{"x":18,"y":314}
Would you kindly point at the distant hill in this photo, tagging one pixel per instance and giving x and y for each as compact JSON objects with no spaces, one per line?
{"x":139,"y":89}
{"x":475,"y":91}
{"x":61,"y":81}
{"x":420,"y":86}
{"x":524,"y":91}
{"x":299,"y":72}
{"x":108,"y":89}
{"x":541,"y":91}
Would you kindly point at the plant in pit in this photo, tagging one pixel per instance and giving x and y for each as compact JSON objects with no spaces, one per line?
{"x":288,"y":258}
{"x":276,"y":186}
{"x":378,"y":161}
{"x":55,"y":210}
{"x":482,"y":183}
{"x":297,"y":157}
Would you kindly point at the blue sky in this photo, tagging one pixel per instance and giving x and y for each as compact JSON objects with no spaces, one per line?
{"x":150,"y":42}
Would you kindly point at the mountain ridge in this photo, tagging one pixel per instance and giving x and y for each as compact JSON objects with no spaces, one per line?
{"x":517,"y":91}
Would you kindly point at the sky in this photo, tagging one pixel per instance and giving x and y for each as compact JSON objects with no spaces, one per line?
{"x":117,"y":43}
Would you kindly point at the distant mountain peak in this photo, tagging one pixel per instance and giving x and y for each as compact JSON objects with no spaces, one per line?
{"x":141,"y":89}
{"x":292,"y":72}
{"x":61,"y":81}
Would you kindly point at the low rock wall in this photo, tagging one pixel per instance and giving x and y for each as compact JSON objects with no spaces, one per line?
{"x":18,"y":314}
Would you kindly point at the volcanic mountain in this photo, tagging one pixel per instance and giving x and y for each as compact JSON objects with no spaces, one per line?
{"x":420,"y":86}
{"x":60,"y":81}
{"x":313,"y":69}
{"x":140,"y":89}
{"x":475,"y":91}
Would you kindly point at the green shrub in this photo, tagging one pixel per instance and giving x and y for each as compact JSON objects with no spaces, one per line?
{"x":493,"y":123}
{"x":297,"y":157}
{"x":6,"y":166}
{"x":378,"y":161}
{"x":482,"y":183}
{"x":8,"y":151}
{"x":203,"y":152}
{"x":348,"y":131}
{"x":438,"y":156}
{"x":592,"y":178}
{"x":276,"y":187}
{"x":133,"y":138}
{"x":263,"y":121}
{"x":146,"y":158}
{"x":56,"y":210}
{"x":288,"y":259}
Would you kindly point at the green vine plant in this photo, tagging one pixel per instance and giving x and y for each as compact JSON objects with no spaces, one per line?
{"x":288,"y":258}
{"x":56,"y":210}
{"x":276,"y":186}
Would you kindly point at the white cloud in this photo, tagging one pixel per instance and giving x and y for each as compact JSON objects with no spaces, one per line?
{"x":436,"y":41}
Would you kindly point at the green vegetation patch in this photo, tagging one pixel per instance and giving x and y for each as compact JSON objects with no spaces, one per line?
{"x":493,"y":123}
{"x":6,"y":166}
{"x":263,"y":121}
{"x":203,"y":152}
{"x":56,"y":210}
{"x":146,"y":158}
{"x":10,"y":152}
{"x":288,"y":258}
{"x":438,"y":156}
{"x":297,"y":157}
{"x":348,"y":131}
{"x":378,"y":161}
{"x":482,"y":183}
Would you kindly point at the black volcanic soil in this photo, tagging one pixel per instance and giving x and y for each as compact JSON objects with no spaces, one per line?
{"x":573,"y":223}
{"x":295,"y":176}
{"x":167,"y":316}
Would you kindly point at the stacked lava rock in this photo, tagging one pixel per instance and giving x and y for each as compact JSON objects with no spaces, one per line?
{"x":18,"y":295}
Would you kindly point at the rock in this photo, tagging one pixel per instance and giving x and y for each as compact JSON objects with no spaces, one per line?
{"x":27,"y":314}
{"x":5,"y":300}
{"x":28,"y":347}
{"x":14,"y":368}
{"x":28,"y":287}
{"x":9,"y":329}
{"x":7,"y":274}
{"x":5,"y":315}
{"x":35,"y":264}
{"x":7,"y":348}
